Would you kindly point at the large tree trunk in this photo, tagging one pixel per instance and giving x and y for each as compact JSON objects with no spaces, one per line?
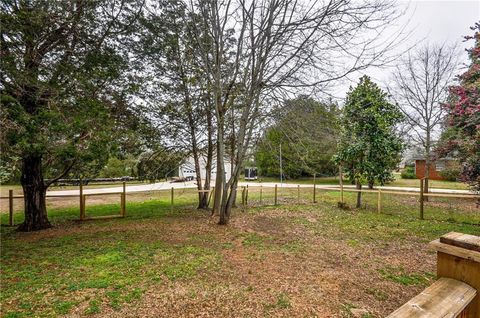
{"x":208,"y":166}
{"x":220,"y":175}
{"x":34,"y":191}
{"x":198,"y":175}
{"x":359,"y":193}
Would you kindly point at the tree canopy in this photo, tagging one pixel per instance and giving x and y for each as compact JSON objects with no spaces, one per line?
{"x":63,"y":80}
{"x":463,"y":120}
{"x":306,"y":130}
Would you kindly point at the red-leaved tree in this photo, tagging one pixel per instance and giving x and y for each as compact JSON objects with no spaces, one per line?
{"x":463,"y":121}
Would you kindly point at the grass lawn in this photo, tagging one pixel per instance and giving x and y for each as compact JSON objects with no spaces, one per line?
{"x":297,"y":259}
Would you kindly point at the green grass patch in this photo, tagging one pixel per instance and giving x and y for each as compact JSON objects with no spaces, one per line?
{"x":114,"y":266}
{"x":400,"y":276}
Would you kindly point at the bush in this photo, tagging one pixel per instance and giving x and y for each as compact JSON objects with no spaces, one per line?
{"x":450,"y":174}
{"x":408,"y":173}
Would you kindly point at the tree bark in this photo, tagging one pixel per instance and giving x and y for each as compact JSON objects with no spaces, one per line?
{"x":34,"y":191}
{"x":220,"y":174}
{"x":359,"y":194}
{"x":208,"y":166}
{"x":370,"y":184}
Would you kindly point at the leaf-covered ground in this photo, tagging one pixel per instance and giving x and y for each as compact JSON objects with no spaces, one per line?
{"x":293,"y":260}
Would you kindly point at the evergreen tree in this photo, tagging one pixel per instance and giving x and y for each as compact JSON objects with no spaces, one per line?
{"x":369,"y":148}
{"x":61,"y":86}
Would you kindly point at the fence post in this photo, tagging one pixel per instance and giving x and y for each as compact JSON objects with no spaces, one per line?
{"x":82,"y":202}
{"x":341,"y":184}
{"x":171,"y":199}
{"x":261,"y":193}
{"x":276,"y":192}
{"x":243,"y":198}
{"x":10,"y":207}
{"x":298,"y":194}
{"x":421,"y":199}
{"x":379,"y":201}
{"x":123,"y":199}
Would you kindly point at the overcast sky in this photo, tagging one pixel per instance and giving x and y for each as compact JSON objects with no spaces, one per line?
{"x":436,"y":21}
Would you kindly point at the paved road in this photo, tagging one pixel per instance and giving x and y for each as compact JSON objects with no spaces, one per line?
{"x":192,"y":185}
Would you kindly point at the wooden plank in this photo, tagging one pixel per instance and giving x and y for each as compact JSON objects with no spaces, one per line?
{"x":102,"y":217}
{"x":15,"y":197}
{"x":470,"y":242}
{"x":454,"y":250}
{"x":100,"y":194}
{"x":464,"y":270}
{"x":411,"y":193}
{"x":445,"y":298}
{"x":452,"y":195}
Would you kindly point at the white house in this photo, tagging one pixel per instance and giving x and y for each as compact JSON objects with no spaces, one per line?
{"x":187,"y":169}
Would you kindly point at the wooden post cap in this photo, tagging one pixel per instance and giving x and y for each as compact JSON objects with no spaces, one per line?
{"x":458,"y":244}
{"x":467,"y":241}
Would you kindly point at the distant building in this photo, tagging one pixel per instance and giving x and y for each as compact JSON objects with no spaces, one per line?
{"x":436,"y":167}
{"x":187,"y":169}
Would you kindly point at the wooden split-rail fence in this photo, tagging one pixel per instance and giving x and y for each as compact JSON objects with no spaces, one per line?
{"x":244,"y":196}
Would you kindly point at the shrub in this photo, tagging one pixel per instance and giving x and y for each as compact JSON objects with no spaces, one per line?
{"x":408,"y":173}
{"x":450,"y":174}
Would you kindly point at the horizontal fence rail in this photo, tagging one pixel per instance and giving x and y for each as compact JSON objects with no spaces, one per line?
{"x":243,"y":191}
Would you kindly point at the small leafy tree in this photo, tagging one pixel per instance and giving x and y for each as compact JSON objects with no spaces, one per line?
{"x":463,"y":120}
{"x":369,"y":148}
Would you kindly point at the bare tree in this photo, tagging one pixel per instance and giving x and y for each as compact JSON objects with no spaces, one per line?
{"x":420,"y":86}
{"x":177,"y":96}
{"x":262,"y":48}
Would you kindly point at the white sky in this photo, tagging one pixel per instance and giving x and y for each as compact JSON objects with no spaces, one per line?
{"x":436,"y":21}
